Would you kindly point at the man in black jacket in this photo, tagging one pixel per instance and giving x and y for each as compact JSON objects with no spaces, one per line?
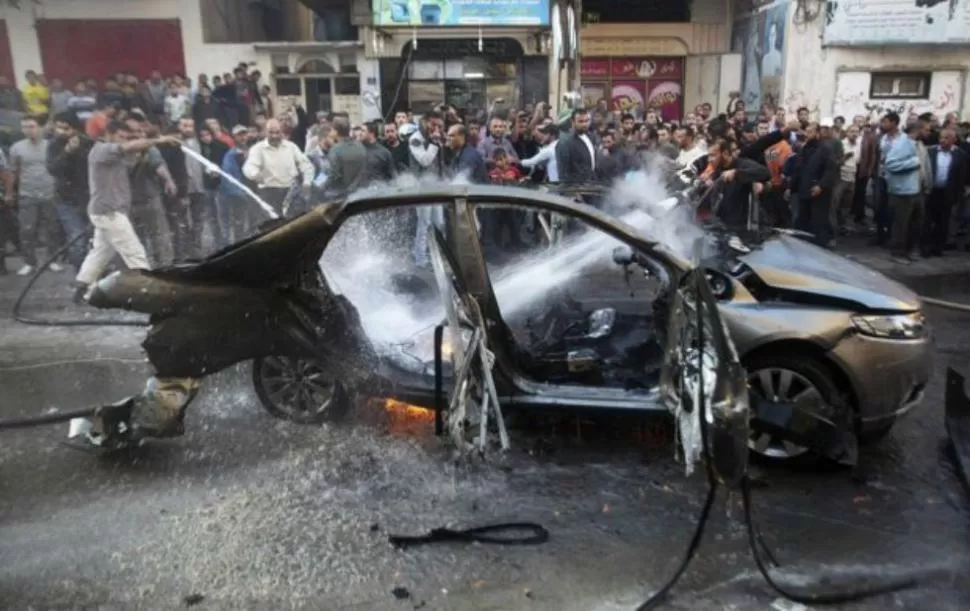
{"x":949,"y":170}
{"x":738,"y":174}
{"x":815,"y":176}
{"x":67,"y":162}
{"x":576,"y":152}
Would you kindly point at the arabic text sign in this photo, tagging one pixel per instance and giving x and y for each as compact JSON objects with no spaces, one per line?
{"x":878,"y":22}
{"x":432,"y":13}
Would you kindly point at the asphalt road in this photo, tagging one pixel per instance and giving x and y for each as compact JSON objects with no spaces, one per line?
{"x":249,"y":512}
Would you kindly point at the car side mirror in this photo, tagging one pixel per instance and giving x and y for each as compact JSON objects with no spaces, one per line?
{"x":623,"y":255}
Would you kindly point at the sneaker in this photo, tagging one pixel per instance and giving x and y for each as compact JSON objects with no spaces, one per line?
{"x":26,"y":270}
{"x":80,"y":291}
{"x":56,"y":268}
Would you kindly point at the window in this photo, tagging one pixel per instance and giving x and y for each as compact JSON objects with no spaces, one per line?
{"x":347,"y":86}
{"x":289,"y":86}
{"x":908,"y":85}
{"x":234,"y":21}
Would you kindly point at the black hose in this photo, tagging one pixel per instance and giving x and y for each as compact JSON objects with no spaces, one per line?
{"x":822,"y":598}
{"x":660,"y":596}
{"x":42,"y":322}
{"x":52,"y":418}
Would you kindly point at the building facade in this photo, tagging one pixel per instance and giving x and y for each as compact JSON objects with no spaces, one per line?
{"x":669,"y":56}
{"x":849,"y":59}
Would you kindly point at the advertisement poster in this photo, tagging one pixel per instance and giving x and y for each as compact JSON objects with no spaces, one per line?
{"x":435,"y":13}
{"x":665,"y":96}
{"x":593,"y":93}
{"x":760,"y":39}
{"x":628,"y":96}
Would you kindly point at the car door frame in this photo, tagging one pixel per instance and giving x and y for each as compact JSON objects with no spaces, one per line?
{"x":516,"y":389}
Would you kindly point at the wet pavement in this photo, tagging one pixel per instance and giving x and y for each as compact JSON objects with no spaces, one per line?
{"x":250,"y":512}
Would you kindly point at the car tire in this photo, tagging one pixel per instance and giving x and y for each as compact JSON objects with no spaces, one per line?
{"x":299,"y":390}
{"x":799,"y":371}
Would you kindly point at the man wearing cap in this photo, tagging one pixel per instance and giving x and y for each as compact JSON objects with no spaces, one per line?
{"x":238,"y":216}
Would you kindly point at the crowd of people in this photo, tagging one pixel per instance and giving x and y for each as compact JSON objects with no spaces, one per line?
{"x":160,"y":166}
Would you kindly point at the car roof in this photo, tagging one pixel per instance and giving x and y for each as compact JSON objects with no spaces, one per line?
{"x":424,"y":193}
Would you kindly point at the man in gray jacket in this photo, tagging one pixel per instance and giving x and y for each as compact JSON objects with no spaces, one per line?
{"x":348,"y":161}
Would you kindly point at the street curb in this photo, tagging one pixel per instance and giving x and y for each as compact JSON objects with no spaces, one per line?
{"x":934,"y":285}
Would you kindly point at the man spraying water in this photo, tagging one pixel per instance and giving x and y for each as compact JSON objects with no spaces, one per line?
{"x":110,"y":205}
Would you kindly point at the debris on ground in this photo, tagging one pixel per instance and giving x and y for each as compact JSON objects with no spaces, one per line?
{"x":401,"y":593}
{"x":193,"y":599}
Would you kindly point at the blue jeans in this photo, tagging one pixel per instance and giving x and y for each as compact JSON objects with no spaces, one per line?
{"x":74,"y":221}
{"x":427,"y":215}
{"x":235,"y":214}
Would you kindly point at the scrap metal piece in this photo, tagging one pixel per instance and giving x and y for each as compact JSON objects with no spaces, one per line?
{"x":159,"y":411}
{"x":958,"y":424}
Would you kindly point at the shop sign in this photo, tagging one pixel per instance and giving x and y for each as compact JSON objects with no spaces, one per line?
{"x":646,"y":67}
{"x":438,"y":13}
{"x":449,"y":48}
{"x":594,"y":68}
{"x":591,"y":47}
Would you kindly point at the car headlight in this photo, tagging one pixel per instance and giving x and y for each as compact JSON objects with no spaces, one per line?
{"x":891,"y":326}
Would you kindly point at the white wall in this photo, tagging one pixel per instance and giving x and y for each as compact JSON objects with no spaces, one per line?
{"x":852,"y":95}
{"x":199,"y":57}
{"x":812,"y":73}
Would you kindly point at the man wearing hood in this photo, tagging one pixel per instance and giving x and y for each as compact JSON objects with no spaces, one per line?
{"x":425,"y":145}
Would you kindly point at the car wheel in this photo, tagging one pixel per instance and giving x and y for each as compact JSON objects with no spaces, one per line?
{"x":300,"y":390}
{"x":782,"y":377}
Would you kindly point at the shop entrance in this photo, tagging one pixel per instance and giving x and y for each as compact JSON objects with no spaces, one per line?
{"x":455,"y":72}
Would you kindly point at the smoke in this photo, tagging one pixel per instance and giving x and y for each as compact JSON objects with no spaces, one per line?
{"x":370,"y":260}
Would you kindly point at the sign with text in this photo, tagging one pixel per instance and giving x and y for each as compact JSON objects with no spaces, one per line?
{"x":880,"y":22}
{"x":437,"y":13}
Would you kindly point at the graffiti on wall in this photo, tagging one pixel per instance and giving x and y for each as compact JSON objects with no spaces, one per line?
{"x":852,"y":97}
{"x":759,"y":36}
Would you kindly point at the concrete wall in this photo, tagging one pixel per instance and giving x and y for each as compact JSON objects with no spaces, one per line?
{"x":835,"y":81}
{"x":199,"y":56}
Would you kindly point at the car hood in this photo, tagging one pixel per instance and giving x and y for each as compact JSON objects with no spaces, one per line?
{"x":790,"y":263}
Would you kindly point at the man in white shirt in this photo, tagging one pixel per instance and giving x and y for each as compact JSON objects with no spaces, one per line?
{"x":690,"y":148}
{"x":547,"y":154}
{"x":177,"y":104}
{"x":844,"y":193}
{"x":275,"y":164}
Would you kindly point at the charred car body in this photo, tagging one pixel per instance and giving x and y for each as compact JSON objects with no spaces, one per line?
{"x":832,"y":349}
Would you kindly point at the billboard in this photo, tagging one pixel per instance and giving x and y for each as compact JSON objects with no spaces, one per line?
{"x":917,"y":22}
{"x":435,"y":13}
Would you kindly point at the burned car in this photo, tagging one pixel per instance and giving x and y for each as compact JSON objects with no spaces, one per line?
{"x":832,"y":350}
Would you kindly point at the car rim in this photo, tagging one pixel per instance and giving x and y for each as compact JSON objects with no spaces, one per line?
{"x":779,"y":385}
{"x":297,"y":387}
